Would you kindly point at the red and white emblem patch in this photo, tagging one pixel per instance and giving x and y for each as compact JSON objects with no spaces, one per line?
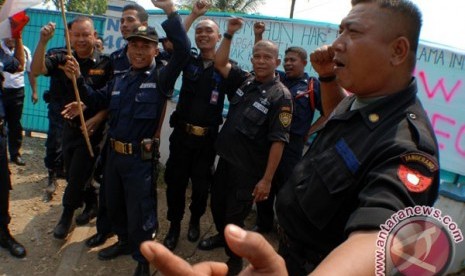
{"x":415,"y":181}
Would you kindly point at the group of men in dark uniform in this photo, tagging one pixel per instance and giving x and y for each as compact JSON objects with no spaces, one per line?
{"x":375,"y":155}
{"x":343,"y":188}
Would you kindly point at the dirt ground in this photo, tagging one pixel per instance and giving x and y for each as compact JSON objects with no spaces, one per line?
{"x":33,"y":221}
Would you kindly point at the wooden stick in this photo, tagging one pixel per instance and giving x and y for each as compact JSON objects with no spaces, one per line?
{"x":73,"y":79}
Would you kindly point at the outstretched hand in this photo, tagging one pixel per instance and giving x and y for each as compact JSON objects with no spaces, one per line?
{"x":263,"y":259}
{"x":71,"y":110}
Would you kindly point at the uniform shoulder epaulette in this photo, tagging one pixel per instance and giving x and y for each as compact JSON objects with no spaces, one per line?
{"x":285,"y":91}
{"x":194,"y":52}
{"x":420,"y":129}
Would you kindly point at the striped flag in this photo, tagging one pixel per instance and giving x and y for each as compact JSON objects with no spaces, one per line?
{"x":15,"y":9}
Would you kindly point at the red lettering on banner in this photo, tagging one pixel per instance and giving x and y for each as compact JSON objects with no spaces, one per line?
{"x":435,"y":120}
{"x":439,"y":85}
{"x":438,"y":120}
{"x":460,"y":137}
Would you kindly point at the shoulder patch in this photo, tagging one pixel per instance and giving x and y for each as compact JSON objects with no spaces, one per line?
{"x":421,"y":159}
{"x":414,"y":180}
{"x":285,"y":118}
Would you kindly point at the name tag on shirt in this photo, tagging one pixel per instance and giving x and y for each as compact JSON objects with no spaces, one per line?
{"x":96,"y":72}
{"x":214,"y":96}
{"x":115,"y":93}
{"x":302,"y":92}
{"x":148,"y":85}
{"x":239,"y":92}
{"x":260,"y":107}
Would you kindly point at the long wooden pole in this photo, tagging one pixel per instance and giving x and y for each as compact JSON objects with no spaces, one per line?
{"x":73,"y":79}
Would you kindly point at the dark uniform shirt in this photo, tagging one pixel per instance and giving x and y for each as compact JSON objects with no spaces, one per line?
{"x":302,"y":115}
{"x":7,"y":64}
{"x":96,"y":70}
{"x":56,"y":83}
{"x":163,"y":57}
{"x":201,"y":99}
{"x":259,"y":114}
{"x":120,"y":61}
{"x":350,"y":179}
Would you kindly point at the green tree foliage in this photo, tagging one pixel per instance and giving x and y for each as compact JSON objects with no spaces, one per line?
{"x":234,"y":6}
{"x":90,"y":7}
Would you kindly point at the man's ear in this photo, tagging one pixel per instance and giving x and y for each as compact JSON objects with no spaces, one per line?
{"x":278,"y":62}
{"x":400,"y":48}
{"x":146,"y":24}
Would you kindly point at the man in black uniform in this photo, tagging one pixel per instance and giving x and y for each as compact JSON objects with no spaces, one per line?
{"x":195,"y":125}
{"x":12,"y":65}
{"x":306,"y":98}
{"x":363,"y":165}
{"x":252,"y":139}
{"x":96,"y":68}
{"x":53,"y":159}
{"x":135,"y":101}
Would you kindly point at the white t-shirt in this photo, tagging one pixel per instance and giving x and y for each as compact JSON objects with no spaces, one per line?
{"x":16,"y":80}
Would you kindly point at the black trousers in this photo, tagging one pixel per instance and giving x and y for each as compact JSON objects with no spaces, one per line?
{"x":231,"y":197}
{"x":131,"y":198}
{"x":53,"y":145}
{"x":191,"y":158}
{"x":5,"y":184}
{"x":291,"y":156}
{"x":13,"y":101}
{"x":79,"y":166}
